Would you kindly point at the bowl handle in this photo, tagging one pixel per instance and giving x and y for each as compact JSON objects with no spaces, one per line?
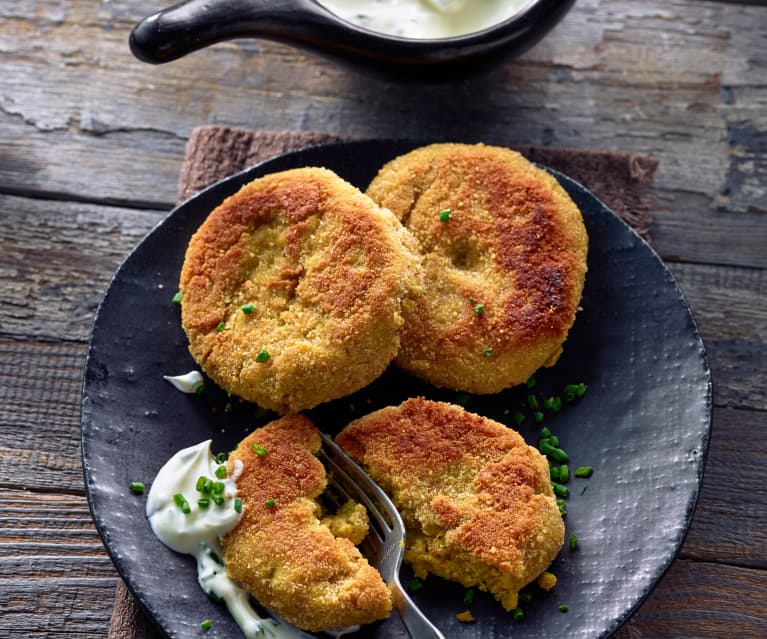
{"x":195,"y":24}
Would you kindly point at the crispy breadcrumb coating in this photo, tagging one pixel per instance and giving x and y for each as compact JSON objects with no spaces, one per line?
{"x":476,"y":500}
{"x":281,"y":553}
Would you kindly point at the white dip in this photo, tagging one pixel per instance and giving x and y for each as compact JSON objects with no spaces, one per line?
{"x":425,"y":19}
{"x":197,"y":532}
{"x":187,"y":383}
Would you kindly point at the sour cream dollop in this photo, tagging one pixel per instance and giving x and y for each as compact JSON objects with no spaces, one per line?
{"x":197,"y":533}
{"x":425,"y":19}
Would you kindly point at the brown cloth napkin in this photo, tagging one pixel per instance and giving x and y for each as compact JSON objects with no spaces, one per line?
{"x":621,"y":180}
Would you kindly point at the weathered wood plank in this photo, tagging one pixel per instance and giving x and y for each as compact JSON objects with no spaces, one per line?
{"x":730,"y":523}
{"x":703,"y":600}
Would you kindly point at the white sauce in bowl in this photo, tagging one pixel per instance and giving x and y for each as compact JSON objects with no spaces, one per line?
{"x":425,"y":19}
{"x":197,"y":533}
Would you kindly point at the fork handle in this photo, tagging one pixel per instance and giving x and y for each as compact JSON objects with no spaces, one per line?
{"x":418,"y":626}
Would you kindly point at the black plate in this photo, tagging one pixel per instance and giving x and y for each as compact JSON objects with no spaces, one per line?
{"x":643,"y":424}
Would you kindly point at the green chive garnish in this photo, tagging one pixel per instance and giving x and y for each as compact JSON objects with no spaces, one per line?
{"x":202,"y":482}
{"x":479,"y":309}
{"x":517,"y":614}
{"x":271,"y":502}
{"x":531,"y":382}
{"x":574,"y":391}
{"x":218,"y":499}
{"x":519,"y":417}
{"x":203,"y":503}
{"x":238,"y":504}
{"x":564,"y":474}
{"x":468,"y":597}
{"x":221,"y":472}
{"x":199,"y":389}
{"x":221,"y":457}
{"x":525,"y":597}
{"x":538,"y":416}
{"x":573,"y":542}
{"x":584,"y":471}
{"x":444,"y":215}
{"x":259,"y":450}
{"x":557,"y":454}
{"x":215,"y":596}
{"x":462,"y":399}
{"x":545,"y":433}
{"x":176,"y":299}
{"x":206,"y":624}
{"x":182,"y":503}
{"x":228,"y":407}
{"x":263,"y":356}
{"x":218,"y":487}
{"x":487,"y":352}
{"x":554,"y":404}
{"x":560,"y":489}
{"x":221,"y":326}
{"x":137,"y":487}
{"x":532,"y":402}
{"x":561,"y":505}
{"x":414,"y":584}
{"x":563,"y":608}
{"x":248,"y":308}
{"x":554,"y":441}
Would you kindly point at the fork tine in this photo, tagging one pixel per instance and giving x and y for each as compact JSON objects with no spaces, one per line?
{"x":391,"y":536}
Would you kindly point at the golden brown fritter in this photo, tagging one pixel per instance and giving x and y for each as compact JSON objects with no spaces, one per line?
{"x":505,"y":259}
{"x":280,"y":552}
{"x":292,"y":290}
{"x":476,"y":500}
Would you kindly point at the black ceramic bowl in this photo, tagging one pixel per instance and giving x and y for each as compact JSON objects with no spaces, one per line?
{"x":195,"y":24}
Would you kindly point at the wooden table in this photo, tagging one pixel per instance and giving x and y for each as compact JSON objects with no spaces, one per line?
{"x":91,"y":142}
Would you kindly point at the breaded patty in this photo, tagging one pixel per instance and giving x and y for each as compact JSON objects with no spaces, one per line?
{"x":476,"y":500}
{"x":280,"y":552}
{"x":292,"y":290}
{"x":505,"y":260}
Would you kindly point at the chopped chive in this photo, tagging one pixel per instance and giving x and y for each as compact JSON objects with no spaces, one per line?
{"x":199,"y":389}
{"x":182,"y":503}
{"x":218,"y":487}
{"x":532,"y":402}
{"x":538,"y":417}
{"x":555,"y":473}
{"x":519,"y":417}
{"x":414,"y":584}
{"x":228,"y":407}
{"x":468,"y":597}
{"x":561,"y":505}
{"x":221,"y":457}
{"x":479,"y":309}
{"x":525,"y":597}
{"x":263,"y":356}
{"x":201,"y":484}
{"x":563,"y":608}
{"x":573,"y":542}
{"x":462,"y":399}
{"x":271,"y":502}
{"x":517,"y":614}
{"x":487,"y":352}
{"x":218,"y":499}
{"x":564,"y":474}
{"x":176,"y":299}
{"x":545,"y":433}
{"x":557,"y":454}
{"x":554,"y":404}
{"x":560,"y":489}
{"x":259,"y":450}
{"x":248,"y":308}
{"x":574,"y":391}
{"x":203,"y":502}
{"x":215,"y":596}
{"x":221,"y":472}
{"x":221,"y":326}
{"x":206,"y":624}
{"x":554,"y":441}
{"x":584,"y":471}
{"x":238,"y":504}
{"x":531,"y":382}
{"x":137,"y":487}
{"x":444,"y":215}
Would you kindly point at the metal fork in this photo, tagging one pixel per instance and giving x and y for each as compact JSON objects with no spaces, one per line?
{"x":386,"y":538}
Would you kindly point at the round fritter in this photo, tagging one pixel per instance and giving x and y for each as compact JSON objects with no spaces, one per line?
{"x":280,"y":551}
{"x":476,"y":500}
{"x":292,"y":290}
{"x":504,"y":251}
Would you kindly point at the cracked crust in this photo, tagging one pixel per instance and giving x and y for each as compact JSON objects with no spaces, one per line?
{"x":282,"y":554}
{"x":326,"y":272}
{"x":476,"y":500}
{"x":504,"y":274}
